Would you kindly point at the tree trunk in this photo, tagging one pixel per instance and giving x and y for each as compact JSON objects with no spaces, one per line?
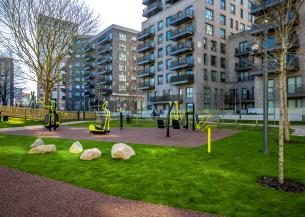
{"x":285,"y":101}
{"x":47,"y":94}
{"x":281,"y":124}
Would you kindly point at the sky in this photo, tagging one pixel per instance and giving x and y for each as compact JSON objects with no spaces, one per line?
{"x":127,"y":13}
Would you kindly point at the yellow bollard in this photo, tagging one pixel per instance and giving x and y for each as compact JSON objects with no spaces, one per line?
{"x":209,"y":140}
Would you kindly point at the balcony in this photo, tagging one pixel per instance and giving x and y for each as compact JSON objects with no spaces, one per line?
{"x":146,"y":60}
{"x":107,"y":81}
{"x":165,"y":99}
{"x":258,"y":10}
{"x":182,"y":79}
{"x":147,"y":2}
{"x":89,"y":76}
{"x":237,"y":98}
{"x":171,"y":1}
{"x":295,"y":92}
{"x":105,"y":49}
{"x":146,"y":85}
{"x":146,"y":34}
{"x":152,"y":9}
{"x":242,"y":52}
{"x":105,"y":70}
{"x":106,"y":91}
{"x":182,"y":63}
{"x":147,"y":72}
{"x":89,"y":49}
{"x":182,"y":17}
{"x":245,"y":79}
{"x":145,"y":47}
{"x":104,"y":40}
{"x":89,"y":66}
{"x":273,"y":67}
{"x":292,"y":44}
{"x":104,"y":60}
{"x":181,"y":33}
{"x":243,"y":66}
{"x":182,"y":48}
{"x":89,"y":58}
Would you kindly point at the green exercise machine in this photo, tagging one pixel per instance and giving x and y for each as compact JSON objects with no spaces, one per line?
{"x":102,"y":122}
{"x":52,"y":118}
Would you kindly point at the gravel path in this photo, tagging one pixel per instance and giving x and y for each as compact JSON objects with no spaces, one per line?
{"x":151,"y":136}
{"x":25,"y":195}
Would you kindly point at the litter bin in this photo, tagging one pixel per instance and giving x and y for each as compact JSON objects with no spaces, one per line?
{"x":5,"y":118}
{"x":129,"y":119}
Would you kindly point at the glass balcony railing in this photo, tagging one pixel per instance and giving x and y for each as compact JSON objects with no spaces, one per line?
{"x":183,"y":32}
{"x":182,"y":48}
{"x":182,"y":17}
{"x":145,"y":34}
{"x":182,"y":63}
{"x":182,"y":79}
{"x":147,"y":46}
{"x":152,"y":9}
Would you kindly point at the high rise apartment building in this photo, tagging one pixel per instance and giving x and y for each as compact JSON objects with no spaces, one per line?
{"x":184,"y":50}
{"x":110,"y":69}
{"x":246,"y":65}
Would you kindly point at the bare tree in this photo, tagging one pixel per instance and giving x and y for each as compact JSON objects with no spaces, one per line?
{"x":281,"y":19}
{"x":40,"y":33}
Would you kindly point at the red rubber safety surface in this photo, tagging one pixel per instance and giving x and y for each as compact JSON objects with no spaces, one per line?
{"x":152,"y":136}
{"x":26,"y":195}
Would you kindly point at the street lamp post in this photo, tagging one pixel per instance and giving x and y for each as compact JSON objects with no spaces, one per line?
{"x":265,"y":95}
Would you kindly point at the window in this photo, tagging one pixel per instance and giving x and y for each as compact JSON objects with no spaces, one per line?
{"x":122,"y":87}
{"x":270,"y":89}
{"x":160,"y":25}
{"x":168,"y":63}
{"x":168,"y":21}
{"x":295,"y":103}
{"x":213,"y":61}
{"x":245,"y":76}
{"x":168,"y":35}
{"x":295,"y":84}
{"x":241,"y":2}
{"x":122,"y":57}
{"x":133,"y":38}
{"x":223,"y":77}
{"x":231,"y":23}
{"x":205,"y":74}
{"x":168,"y":77}
{"x":223,"y":48}
{"x":122,"y":67}
{"x":249,"y":5}
{"x":122,"y":47}
{"x":209,"y":29}
{"x":223,"y":4}
{"x":244,"y":46}
{"x":232,"y":9}
{"x":250,"y":18}
{"x":168,"y":49}
{"x":213,"y":75}
{"x":242,"y":27}
{"x":214,"y":46}
{"x":209,"y":14}
{"x":123,"y":37}
{"x":207,"y":97}
{"x":160,"y":79}
{"x":222,"y":33}
{"x":189,"y":92}
{"x":210,"y":2}
{"x":205,"y":43}
{"x":222,"y":19}
{"x":160,"y":66}
{"x":236,"y":25}
{"x":223,"y":63}
{"x":160,"y":39}
{"x":122,"y":77}
{"x":241,"y":13}
{"x":160,"y":52}
{"x":205,"y":59}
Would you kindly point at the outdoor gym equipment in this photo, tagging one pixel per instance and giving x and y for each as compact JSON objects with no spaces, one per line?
{"x":52,"y":119}
{"x":201,"y":123}
{"x":102,"y":124}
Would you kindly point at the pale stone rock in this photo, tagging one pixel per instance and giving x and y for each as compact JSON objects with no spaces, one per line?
{"x":38,"y":142}
{"x":122,"y":151}
{"x":76,"y":148}
{"x":91,"y":154}
{"x":42,"y":149}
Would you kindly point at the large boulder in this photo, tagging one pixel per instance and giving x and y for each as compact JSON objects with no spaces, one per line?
{"x":76,"y":148}
{"x":42,"y":149}
{"x":91,"y":154}
{"x":122,"y":151}
{"x":38,"y":142}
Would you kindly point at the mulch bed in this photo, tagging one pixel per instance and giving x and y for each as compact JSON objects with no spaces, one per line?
{"x":288,"y":186}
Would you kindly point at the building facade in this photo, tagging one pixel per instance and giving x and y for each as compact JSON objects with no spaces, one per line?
{"x":111,"y":69}
{"x":6,"y":81}
{"x":184,"y":50}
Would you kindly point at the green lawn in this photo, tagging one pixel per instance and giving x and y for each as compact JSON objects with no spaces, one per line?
{"x":222,"y":183}
{"x":19,"y":122}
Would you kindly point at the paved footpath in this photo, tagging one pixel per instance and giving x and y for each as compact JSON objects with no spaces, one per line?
{"x":26,"y":195}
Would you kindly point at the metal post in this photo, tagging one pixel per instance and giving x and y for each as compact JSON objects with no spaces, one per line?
{"x":265,"y":98}
{"x":121,"y":120}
